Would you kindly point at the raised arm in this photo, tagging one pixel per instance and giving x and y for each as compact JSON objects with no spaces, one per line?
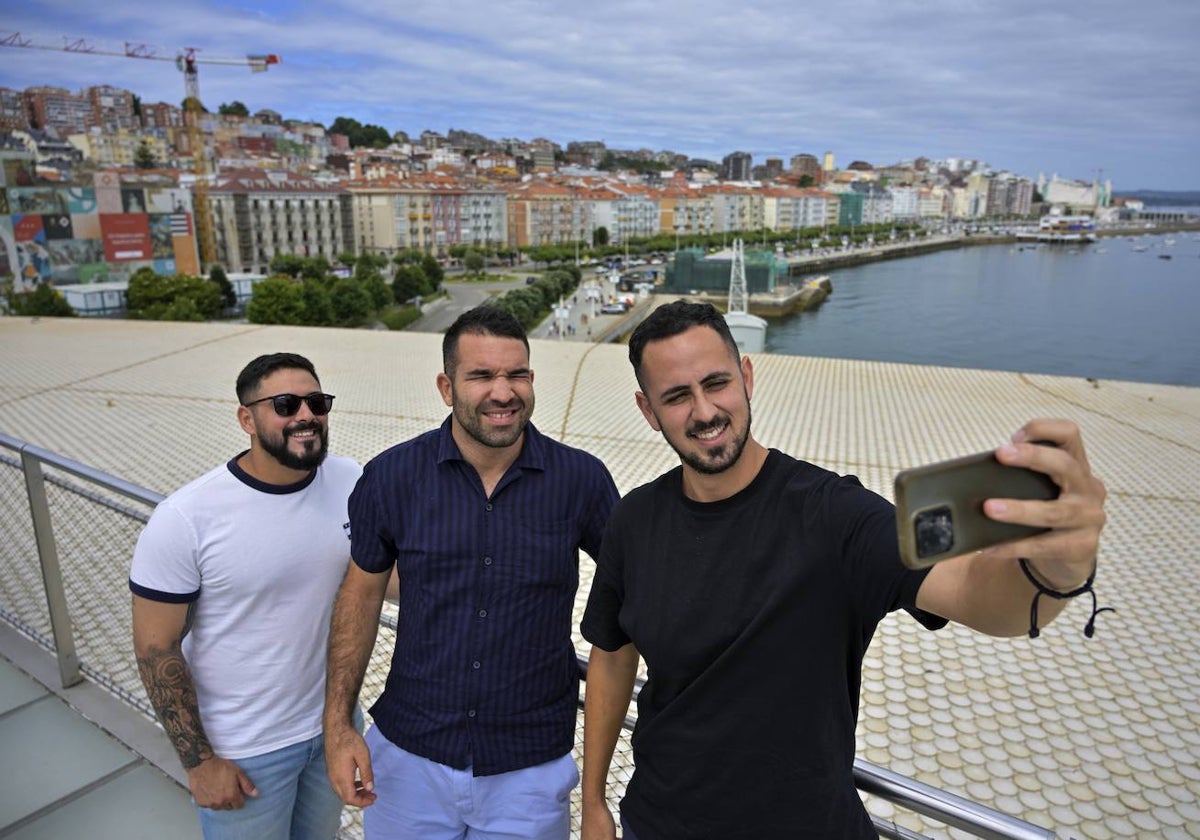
{"x":351,"y":638}
{"x":988,"y":590}
{"x":610,"y":678}
{"x":158,"y":630}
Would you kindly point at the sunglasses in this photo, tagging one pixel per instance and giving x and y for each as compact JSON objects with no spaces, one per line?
{"x":286,"y":405}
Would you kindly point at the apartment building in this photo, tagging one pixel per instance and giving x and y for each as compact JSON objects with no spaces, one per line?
{"x":685,"y":212}
{"x":544,"y":213}
{"x":737,"y":208}
{"x":112,"y":108}
{"x":257,"y":216}
{"x":58,"y":108}
{"x":428,"y":214}
{"x":736,"y":166}
{"x":118,"y":148}
{"x":13,"y":113}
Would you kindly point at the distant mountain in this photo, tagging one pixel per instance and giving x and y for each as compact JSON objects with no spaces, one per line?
{"x":1163,"y":198}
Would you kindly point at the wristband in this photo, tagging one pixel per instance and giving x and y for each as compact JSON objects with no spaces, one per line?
{"x":1089,"y":629}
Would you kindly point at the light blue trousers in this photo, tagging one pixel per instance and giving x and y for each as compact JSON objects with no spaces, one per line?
{"x":295,"y":800}
{"x":420,"y":799}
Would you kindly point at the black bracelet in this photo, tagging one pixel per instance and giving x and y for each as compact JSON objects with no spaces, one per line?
{"x":1089,"y":629}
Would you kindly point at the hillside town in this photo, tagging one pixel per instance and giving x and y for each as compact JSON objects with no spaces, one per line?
{"x":96,"y":185}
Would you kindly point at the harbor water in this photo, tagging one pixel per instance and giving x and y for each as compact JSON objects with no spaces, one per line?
{"x":1120,"y":308}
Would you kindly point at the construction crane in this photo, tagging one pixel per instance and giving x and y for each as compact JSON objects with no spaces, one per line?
{"x":187,"y":60}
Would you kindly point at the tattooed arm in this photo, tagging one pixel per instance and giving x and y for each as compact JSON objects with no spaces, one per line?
{"x":158,"y":630}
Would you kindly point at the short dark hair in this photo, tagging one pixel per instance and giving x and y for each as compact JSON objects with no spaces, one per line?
{"x":672,"y":319}
{"x":482,"y":320}
{"x":264,"y":366}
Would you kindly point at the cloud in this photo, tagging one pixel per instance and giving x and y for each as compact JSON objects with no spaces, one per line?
{"x":1027,"y":86}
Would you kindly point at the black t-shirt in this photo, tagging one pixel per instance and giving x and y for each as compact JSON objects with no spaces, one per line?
{"x":753,"y":614}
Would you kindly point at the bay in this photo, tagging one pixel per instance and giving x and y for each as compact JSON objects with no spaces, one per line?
{"x":1103,"y":310}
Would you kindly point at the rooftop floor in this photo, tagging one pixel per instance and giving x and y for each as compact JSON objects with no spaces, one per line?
{"x":1097,"y":738}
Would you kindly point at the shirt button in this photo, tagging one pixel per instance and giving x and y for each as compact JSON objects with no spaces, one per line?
{"x":488,"y":506}
{"x":471,"y":713}
{"x":487,"y":561}
{"x":483,"y":613}
{"x":475,"y":665}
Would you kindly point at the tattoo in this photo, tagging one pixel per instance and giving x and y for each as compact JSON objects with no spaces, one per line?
{"x":169,"y":685}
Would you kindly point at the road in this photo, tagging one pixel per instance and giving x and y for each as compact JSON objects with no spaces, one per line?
{"x":461,"y":296}
{"x":440,"y":314}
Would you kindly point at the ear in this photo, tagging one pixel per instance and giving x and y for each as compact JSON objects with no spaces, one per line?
{"x":445,"y":388}
{"x":643,"y":403}
{"x":748,"y":376}
{"x":246,"y":421}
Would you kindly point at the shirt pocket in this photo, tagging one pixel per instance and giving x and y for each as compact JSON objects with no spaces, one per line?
{"x":544,"y":553}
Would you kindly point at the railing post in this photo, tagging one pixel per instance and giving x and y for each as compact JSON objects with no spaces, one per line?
{"x":52,"y":581}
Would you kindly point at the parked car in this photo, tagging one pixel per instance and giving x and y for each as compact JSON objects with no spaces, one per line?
{"x":613,"y":309}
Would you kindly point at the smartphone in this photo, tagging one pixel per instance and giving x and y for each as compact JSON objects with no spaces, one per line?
{"x":939,"y":507}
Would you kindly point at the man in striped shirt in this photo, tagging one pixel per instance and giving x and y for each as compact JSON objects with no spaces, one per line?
{"x":483,"y":519}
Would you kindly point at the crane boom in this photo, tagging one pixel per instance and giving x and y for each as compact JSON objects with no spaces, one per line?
{"x":186,"y":59}
{"x":134,"y":49}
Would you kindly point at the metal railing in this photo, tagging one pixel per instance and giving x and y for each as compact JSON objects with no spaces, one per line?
{"x":77,"y":579}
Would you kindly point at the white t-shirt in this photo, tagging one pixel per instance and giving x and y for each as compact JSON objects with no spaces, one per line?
{"x":263,"y":564}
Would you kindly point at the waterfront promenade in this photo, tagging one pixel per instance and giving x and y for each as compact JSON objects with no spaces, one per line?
{"x":1095,"y":738}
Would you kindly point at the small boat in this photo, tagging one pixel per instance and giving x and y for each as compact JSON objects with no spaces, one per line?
{"x":1139,"y":248}
{"x":1164,"y":256}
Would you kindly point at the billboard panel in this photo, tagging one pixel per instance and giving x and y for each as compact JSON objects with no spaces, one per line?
{"x":80,"y":199}
{"x":76,"y":260}
{"x":58,"y":226}
{"x":108,"y":193}
{"x":168,"y":200}
{"x":126,"y":236}
{"x":160,"y":237}
{"x":86,"y":226}
{"x":28,"y":229}
{"x":39,"y":200}
{"x":133,"y":200}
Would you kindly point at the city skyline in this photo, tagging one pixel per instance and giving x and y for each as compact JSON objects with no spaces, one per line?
{"x":1109,"y":94}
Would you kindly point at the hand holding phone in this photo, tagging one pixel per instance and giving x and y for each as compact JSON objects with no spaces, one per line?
{"x":939,"y":507}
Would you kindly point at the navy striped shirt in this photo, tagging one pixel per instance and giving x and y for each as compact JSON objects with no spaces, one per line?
{"x":484,"y":672}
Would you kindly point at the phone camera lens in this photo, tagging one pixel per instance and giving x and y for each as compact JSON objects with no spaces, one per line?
{"x":934,"y":531}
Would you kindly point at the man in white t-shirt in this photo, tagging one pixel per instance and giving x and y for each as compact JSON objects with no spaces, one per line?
{"x":233,"y":584}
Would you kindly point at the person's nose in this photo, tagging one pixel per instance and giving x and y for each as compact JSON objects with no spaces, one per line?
{"x":703,"y":409}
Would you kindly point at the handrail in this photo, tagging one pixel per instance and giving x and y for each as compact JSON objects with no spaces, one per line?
{"x":908,"y":793}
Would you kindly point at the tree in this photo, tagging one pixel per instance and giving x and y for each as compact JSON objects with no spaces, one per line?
{"x":805,"y":181}
{"x":288,"y":264}
{"x":178,"y":297}
{"x":190,"y":102}
{"x":314,"y":268}
{"x":434,"y":274}
{"x":143,"y":157}
{"x":228,"y":295}
{"x":368,"y":135}
{"x":276,"y":300}
{"x":317,"y":309}
{"x":600,"y":237}
{"x":234,"y":108}
{"x":473,"y":261}
{"x":44,"y":301}
{"x":409,"y":282}
{"x":351,"y":303}
{"x":377,"y":290}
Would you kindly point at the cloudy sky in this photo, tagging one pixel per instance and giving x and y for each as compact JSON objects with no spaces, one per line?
{"x":1027,"y":85}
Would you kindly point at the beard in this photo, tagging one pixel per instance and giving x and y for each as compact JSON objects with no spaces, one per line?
{"x":314,"y":448}
{"x":716,"y":459}
{"x":472,"y":423}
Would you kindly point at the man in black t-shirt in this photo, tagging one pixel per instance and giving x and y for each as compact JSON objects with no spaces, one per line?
{"x":751,"y":583}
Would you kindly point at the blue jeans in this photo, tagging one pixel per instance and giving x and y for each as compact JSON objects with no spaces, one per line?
{"x":295,"y":799}
{"x":420,"y":799}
